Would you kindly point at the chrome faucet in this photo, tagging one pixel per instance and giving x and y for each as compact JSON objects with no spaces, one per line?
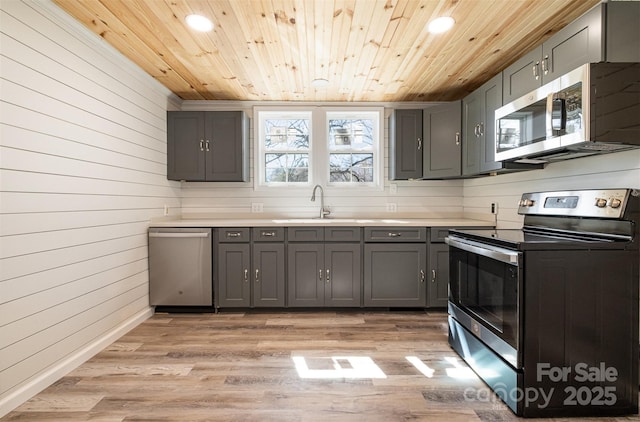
{"x":323,"y":212}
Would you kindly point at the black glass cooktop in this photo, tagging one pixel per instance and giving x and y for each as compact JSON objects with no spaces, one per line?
{"x":521,"y":239}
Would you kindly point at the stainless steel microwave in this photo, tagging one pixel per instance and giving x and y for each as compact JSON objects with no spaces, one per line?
{"x":591,"y":110}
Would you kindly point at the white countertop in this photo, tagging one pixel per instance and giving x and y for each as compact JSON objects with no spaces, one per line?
{"x":438,"y":221}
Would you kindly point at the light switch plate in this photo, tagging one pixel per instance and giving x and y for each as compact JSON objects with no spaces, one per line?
{"x":257,"y":207}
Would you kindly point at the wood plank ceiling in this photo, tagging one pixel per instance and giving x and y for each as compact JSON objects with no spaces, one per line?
{"x":369,"y":50}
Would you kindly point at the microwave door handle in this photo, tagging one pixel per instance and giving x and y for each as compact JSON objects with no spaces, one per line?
{"x":505,"y":256}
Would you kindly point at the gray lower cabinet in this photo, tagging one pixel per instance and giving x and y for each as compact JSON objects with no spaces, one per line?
{"x":324,"y":274}
{"x":438,"y":275}
{"x":251,"y":273}
{"x":395,"y":262}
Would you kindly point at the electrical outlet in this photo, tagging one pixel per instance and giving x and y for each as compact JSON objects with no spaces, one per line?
{"x":166,"y":209}
{"x":392,"y":207}
{"x":256,"y":207}
{"x":494,"y":208}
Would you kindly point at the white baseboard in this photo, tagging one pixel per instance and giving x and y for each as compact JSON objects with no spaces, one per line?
{"x":54,"y":373}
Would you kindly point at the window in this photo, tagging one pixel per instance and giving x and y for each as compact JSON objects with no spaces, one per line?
{"x":327,"y":146}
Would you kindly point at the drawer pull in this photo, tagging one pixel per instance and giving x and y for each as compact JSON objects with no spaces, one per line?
{"x":392,"y":234}
{"x":268,"y":234}
{"x":234,"y":234}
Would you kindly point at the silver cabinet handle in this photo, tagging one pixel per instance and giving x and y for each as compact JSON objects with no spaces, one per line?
{"x":327,"y":275}
{"x":320,"y":274}
{"x":201,"y":144}
{"x":268,"y":234}
{"x":457,"y":138}
{"x":233,"y":234}
{"x":545,"y":65}
{"x":536,"y":75}
{"x":476,"y":130}
{"x":246,"y":275}
{"x":433,"y":276}
{"x":422,"y":276}
{"x":419,"y":144}
{"x":391,"y":234}
{"x":481,"y":129}
{"x":257,"y":275}
{"x":206,"y":145}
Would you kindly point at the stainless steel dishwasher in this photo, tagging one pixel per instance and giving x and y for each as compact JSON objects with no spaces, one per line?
{"x":180,"y":267}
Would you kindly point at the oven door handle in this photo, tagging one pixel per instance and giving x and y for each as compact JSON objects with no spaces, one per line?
{"x":499,"y":254}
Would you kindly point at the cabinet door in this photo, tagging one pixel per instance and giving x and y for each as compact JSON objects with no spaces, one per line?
{"x":491,"y":93}
{"x":523,"y":76}
{"x":185,"y":145}
{"x":234,"y":287}
{"x":438,"y":275}
{"x":227,"y":150}
{"x":268,"y":274}
{"x":442,"y":141}
{"x":578,"y":43}
{"x":405,"y":149}
{"x":305,"y":274}
{"x":342,"y":274}
{"x":471,"y":118}
{"x":394,"y":274}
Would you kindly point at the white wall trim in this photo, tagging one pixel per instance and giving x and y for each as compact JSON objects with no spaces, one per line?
{"x":54,"y":373}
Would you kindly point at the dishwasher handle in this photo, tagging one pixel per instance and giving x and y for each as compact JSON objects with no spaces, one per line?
{"x":179,"y":234}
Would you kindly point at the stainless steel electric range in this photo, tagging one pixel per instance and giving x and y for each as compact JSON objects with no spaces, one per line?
{"x":547,"y":315}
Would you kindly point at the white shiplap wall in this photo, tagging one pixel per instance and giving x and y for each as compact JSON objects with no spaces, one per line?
{"x":82,"y":172}
{"x":426,"y":198}
{"x":618,"y":170}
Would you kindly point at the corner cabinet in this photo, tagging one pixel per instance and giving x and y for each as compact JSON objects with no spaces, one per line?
{"x":478,"y":128}
{"x":395,"y":261}
{"x":608,"y":32}
{"x":441,"y":156}
{"x":405,"y":144}
{"x":208,"y":146}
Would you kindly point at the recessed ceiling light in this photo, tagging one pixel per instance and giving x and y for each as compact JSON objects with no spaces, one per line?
{"x":440,"y":25}
{"x":320,"y":83}
{"x":199,"y":23}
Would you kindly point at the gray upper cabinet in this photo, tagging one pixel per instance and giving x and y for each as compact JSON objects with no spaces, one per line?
{"x":478,"y":128}
{"x":609,"y":32}
{"x":442,"y":141}
{"x":405,"y":144}
{"x":208,"y":146}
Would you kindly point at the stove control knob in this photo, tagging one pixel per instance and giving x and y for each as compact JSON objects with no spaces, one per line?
{"x":601,"y":202}
{"x":527,"y":202}
{"x":615,"y":203}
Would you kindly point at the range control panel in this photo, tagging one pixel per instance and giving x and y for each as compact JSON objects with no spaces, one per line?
{"x":597,"y":203}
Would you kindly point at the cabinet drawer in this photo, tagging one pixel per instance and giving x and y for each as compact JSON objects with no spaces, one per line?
{"x":306,"y":234}
{"x":268,"y":234}
{"x":342,"y":234}
{"x":395,"y":234}
{"x":230,"y":234}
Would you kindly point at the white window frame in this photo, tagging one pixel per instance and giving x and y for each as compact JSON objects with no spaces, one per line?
{"x":318,"y":145}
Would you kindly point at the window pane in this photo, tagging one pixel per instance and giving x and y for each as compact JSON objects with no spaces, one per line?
{"x":356,"y":168}
{"x":286,"y":167}
{"x":352,"y":134}
{"x":284,"y":134}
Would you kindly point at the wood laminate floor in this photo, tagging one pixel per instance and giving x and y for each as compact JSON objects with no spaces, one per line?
{"x":263,"y":366}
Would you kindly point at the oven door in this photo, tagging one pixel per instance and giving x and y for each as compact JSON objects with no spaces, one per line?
{"x":485,"y":290}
